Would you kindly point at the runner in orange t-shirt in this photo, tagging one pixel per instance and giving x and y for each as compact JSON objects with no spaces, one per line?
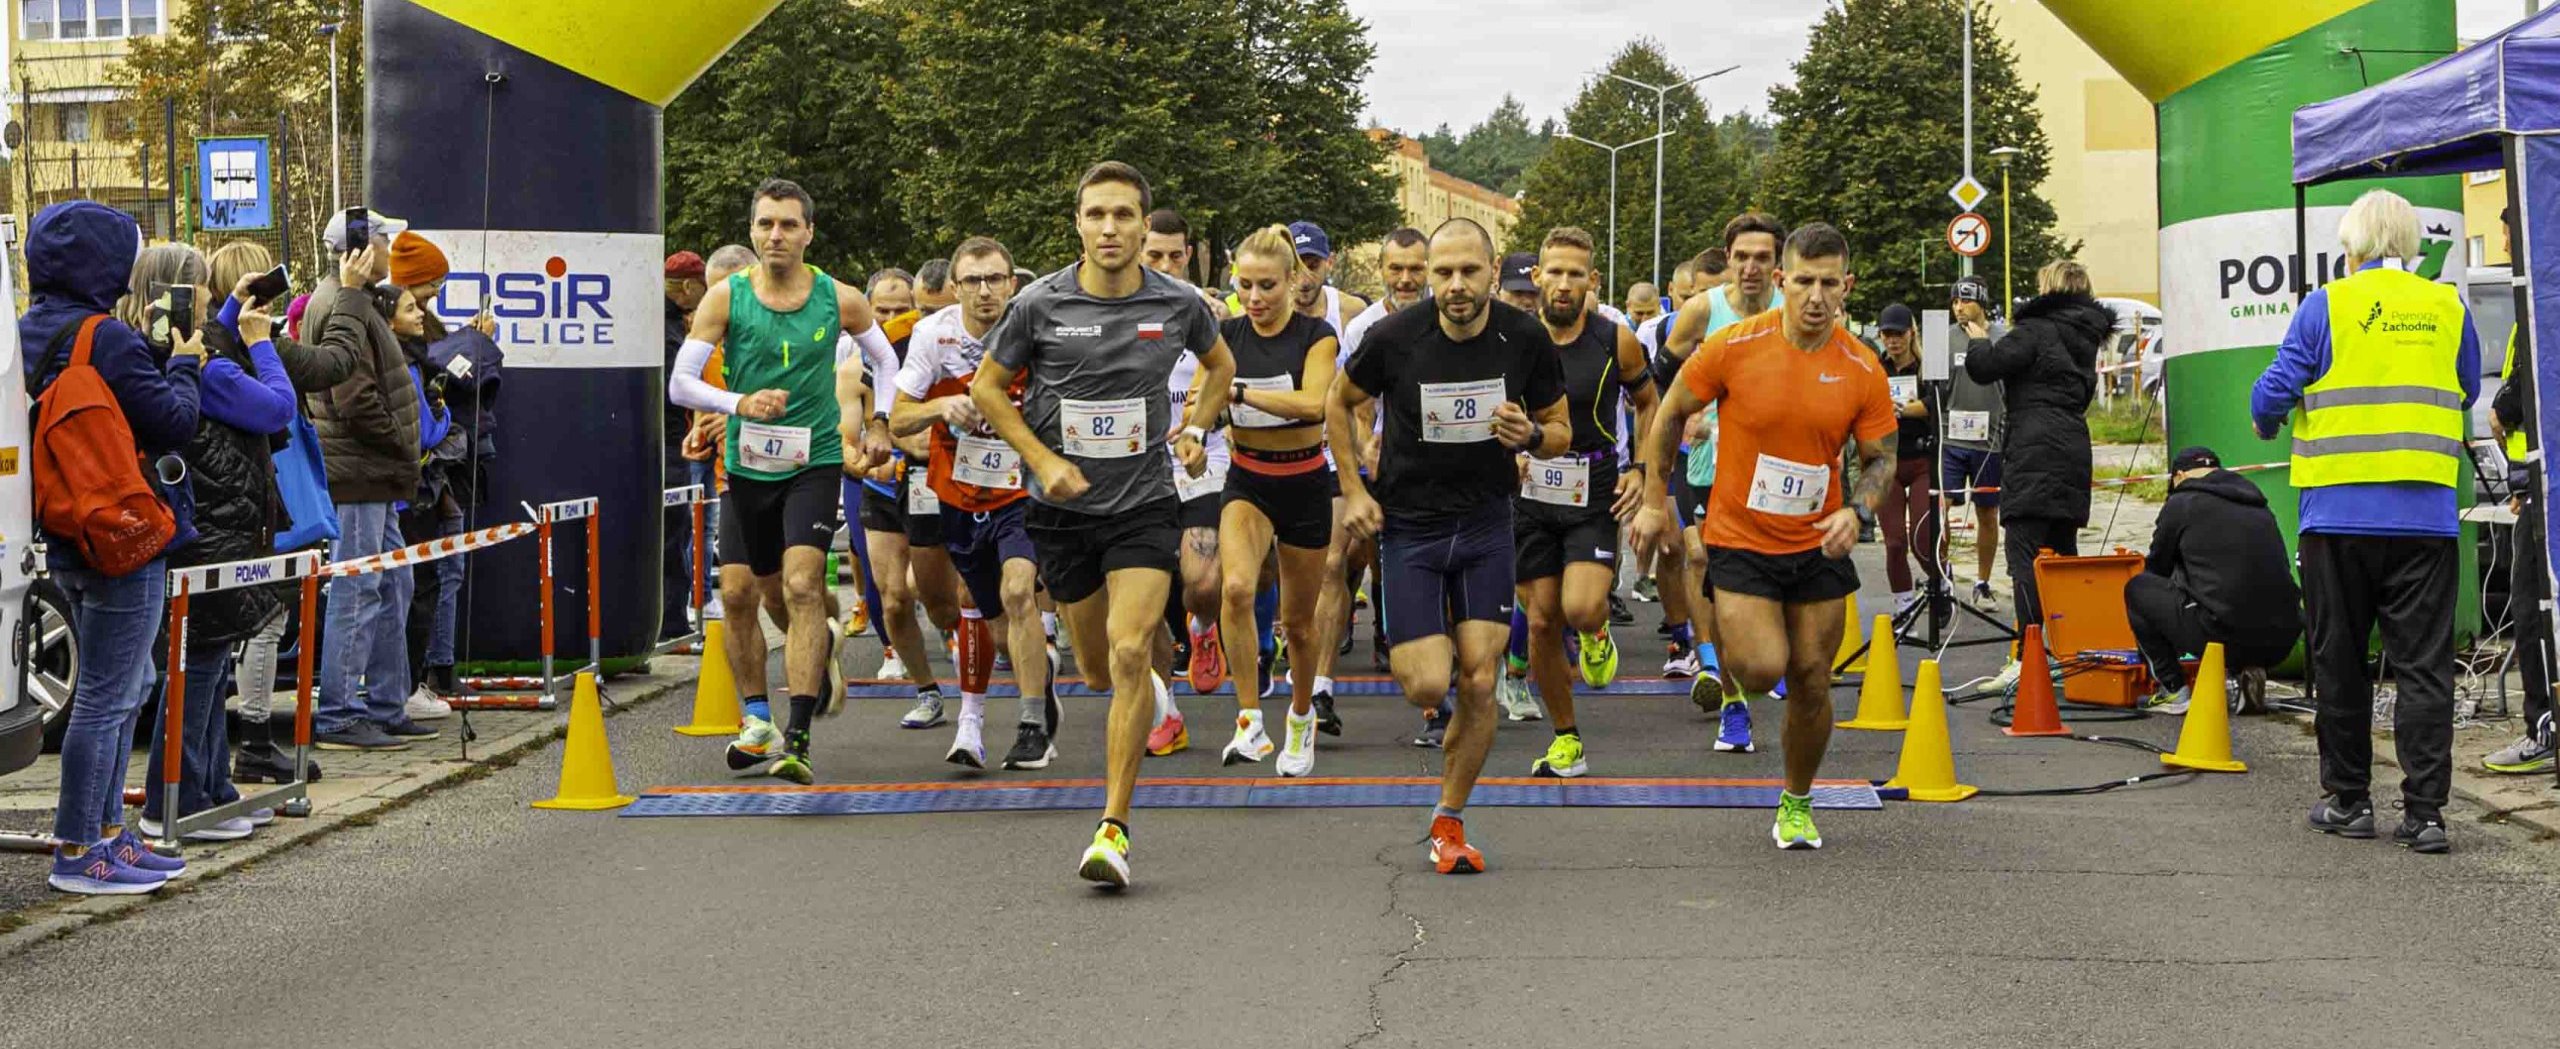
{"x":1791,"y":386}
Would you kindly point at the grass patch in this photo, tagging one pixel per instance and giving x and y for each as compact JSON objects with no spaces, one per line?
{"x":2129,"y":420}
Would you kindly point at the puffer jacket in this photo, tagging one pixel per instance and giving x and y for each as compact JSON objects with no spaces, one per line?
{"x":2050,"y":362}
{"x":238,"y":507}
{"x":368,"y":423}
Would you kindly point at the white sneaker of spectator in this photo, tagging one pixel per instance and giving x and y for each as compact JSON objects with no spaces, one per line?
{"x":425,"y":705}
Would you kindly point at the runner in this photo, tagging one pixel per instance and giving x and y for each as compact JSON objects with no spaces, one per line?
{"x":977,"y":486}
{"x":1792,"y":386}
{"x":901,"y":532}
{"x":1404,"y":264}
{"x":1910,"y":514}
{"x":780,"y":513}
{"x":1519,"y":288}
{"x":1095,"y":346}
{"x":1281,"y":487}
{"x":1191,"y":613}
{"x":1568,"y":508}
{"x":1454,"y":380}
{"x":1317,"y":297}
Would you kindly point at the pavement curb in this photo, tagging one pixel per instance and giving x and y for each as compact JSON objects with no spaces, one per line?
{"x":2523,"y":801}
{"x":44,"y":922}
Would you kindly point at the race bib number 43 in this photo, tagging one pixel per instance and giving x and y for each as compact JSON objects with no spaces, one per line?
{"x":1781,"y":486}
{"x":987,"y":463}
{"x":1459,"y":412}
{"x":1103,"y":429}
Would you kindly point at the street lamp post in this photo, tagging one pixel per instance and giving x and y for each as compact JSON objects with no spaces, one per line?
{"x":1612,"y":278}
{"x":2008,"y":256}
{"x":1661,"y":97}
{"x":337,"y":194}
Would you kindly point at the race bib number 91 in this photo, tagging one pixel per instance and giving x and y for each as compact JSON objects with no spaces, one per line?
{"x":1781,"y":486}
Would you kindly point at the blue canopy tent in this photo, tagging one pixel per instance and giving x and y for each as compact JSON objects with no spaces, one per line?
{"x":2492,"y":106}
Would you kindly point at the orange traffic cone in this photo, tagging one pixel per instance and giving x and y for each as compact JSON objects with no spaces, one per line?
{"x":1927,"y":771}
{"x":586,"y":762}
{"x":1880,"y":695}
{"x":1840,"y":661}
{"x":715,"y":692}
{"x":2204,"y":742}
{"x":2034,"y":713}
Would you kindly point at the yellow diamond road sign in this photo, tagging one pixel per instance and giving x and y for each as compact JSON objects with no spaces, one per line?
{"x":1967,"y":193}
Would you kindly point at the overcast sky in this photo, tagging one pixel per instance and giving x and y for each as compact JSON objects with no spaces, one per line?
{"x":1451,"y":60}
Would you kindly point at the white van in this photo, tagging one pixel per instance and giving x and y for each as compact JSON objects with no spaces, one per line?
{"x":25,"y":717}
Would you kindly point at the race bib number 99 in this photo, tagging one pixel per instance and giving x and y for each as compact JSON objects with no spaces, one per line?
{"x":1103,"y":429}
{"x":1459,"y":412}
{"x":1793,"y":489}
{"x":1560,"y":482}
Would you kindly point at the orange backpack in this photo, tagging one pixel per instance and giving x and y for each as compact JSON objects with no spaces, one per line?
{"x":90,"y":490}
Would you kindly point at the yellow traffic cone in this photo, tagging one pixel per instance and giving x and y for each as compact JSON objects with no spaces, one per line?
{"x":715,"y":692}
{"x":1849,"y":642}
{"x":1927,"y":771}
{"x":1880,"y":695}
{"x":2204,"y":742}
{"x":586,"y":762}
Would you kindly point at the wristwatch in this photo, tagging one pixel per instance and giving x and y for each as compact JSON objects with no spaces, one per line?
{"x":1195,"y":433}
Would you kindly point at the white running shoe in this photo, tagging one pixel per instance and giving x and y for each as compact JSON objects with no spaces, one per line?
{"x":1983,"y":596}
{"x":758,"y":742}
{"x":1299,"y":757}
{"x":1903,"y":601}
{"x":2005,"y":680}
{"x":1682,"y":666}
{"x":1517,"y":703}
{"x":1250,"y":744}
{"x":892,"y":666}
{"x":425,"y":705}
{"x":832,"y":703}
{"x":711,"y":608}
{"x":926,"y":713}
{"x":968,"y":746}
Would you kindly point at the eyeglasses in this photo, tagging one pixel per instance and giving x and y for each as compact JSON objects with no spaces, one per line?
{"x":983,"y":282}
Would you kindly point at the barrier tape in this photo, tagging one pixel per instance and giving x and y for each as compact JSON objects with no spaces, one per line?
{"x":233,"y":575}
{"x":2119,"y":482}
{"x":685,"y":496}
{"x":567,"y":510}
{"x":431,"y":550}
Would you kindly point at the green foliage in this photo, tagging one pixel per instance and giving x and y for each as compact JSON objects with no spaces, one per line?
{"x":1494,"y":153}
{"x":1871,"y":135}
{"x":1709,"y":170}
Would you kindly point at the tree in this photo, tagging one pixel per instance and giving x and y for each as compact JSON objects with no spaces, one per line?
{"x":801,"y":97}
{"x":1240,"y":115}
{"x":1708,"y":172}
{"x":1871,"y":135}
{"x":235,"y":76}
{"x":1493,"y":153}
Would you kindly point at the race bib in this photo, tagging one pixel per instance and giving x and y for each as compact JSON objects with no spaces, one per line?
{"x":1253,"y":418}
{"x":987,"y":463}
{"x":766,"y":446}
{"x":1905,"y":388}
{"x":1780,"y":486}
{"x":1459,"y":412}
{"x":1210,"y":482}
{"x":1561,"y":482}
{"x":920,"y":497}
{"x":1968,"y":426}
{"x":1103,"y":429}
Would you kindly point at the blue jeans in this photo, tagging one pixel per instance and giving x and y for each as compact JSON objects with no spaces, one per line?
{"x":367,"y":628}
{"x":204,"y":754}
{"x":448,"y":597}
{"x":116,"y":620}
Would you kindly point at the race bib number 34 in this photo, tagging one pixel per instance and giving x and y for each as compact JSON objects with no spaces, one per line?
{"x":1459,"y":412}
{"x":987,"y":463}
{"x":1103,"y":429}
{"x":1905,"y":388}
{"x":1969,"y":426}
{"x":1781,"y":486}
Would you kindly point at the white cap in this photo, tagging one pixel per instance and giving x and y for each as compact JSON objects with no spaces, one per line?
{"x":384,"y":226}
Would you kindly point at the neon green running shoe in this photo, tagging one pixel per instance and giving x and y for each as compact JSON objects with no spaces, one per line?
{"x":1563,"y":759}
{"x":1599,"y":659}
{"x":793,"y":767}
{"x":1794,"y":829}
{"x":1106,"y":861}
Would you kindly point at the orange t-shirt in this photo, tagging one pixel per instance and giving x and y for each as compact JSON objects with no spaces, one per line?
{"x":1783,"y":414}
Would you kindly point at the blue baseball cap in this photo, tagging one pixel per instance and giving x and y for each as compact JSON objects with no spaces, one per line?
{"x":1310,"y":239}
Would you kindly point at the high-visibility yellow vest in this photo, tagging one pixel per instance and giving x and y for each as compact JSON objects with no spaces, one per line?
{"x":2390,"y":406}
{"x":2515,"y":438}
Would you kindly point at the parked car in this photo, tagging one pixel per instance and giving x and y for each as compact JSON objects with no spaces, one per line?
{"x":29,"y":711}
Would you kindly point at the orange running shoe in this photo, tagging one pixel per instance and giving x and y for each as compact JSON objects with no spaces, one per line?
{"x":1170,"y":736}
{"x":1208,"y":660}
{"x":1450,"y":853}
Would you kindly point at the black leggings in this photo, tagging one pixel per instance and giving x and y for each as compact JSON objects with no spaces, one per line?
{"x":2024,"y":536}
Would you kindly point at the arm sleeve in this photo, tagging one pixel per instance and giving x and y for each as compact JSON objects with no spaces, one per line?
{"x":2300,"y":359}
{"x":685,"y":387}
{"x":879,"y":360}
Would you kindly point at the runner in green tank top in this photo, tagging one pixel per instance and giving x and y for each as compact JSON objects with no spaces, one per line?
{"x":793,"y":433}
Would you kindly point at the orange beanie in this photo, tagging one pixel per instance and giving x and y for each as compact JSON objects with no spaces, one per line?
{"x":415,"y":260}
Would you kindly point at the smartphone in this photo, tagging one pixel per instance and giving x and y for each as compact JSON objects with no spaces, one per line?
{"x":359,"y":229}
{"x":182,"y":311}
{"x":270,"y":284}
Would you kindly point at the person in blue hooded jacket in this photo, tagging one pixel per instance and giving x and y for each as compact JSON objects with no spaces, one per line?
{"x":80,"y":256}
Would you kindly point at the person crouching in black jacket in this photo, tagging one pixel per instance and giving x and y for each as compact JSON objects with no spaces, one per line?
{"x":2049,"y":360}
{"x":2217,"y":572}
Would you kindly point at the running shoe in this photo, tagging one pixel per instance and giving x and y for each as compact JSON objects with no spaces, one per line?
{"x":1299,"y":757}
{"x":425,"y":705}
{"x":1450,"y":853}
{"x":711,"y":608}
{"x":838,"y":647}
{"x":1435,"y":727}
{"x":892,"y":666}
{"x":793,"y":765}
{"x":1360,"y":599}
{"x":233,"y":829}
{"x":1794,"y":829}
{"x":1707,"y":691}
{"x":1032,"y":748}
{"x":860,"y":622}
{"x":1983,"y":597}
{"x":1646,"y":591}
{"x":1249,"y":744}
{"x":927,"y":712}
{"x":2169,"y":702}
{"x":969,"y":745}
{"x":1733,"y":733}
{"x":96,"y":873}
{"x":1517,"y":703}
{"x":1903,"y":601}
{"x":1262,"y":673}
{"x":1619,"y":613}
{"x":2522,"y":757}
{"x":758,"y":741}
{"x":1004,"y":659}
{"x":1679,"y":664}
{"x":2423,"y":835}
{"x":2346,"y":821}
{"x":1170,"y":736}
{"x":1599,"y":659}
{"x":1327,"y":721}
{"x":1563,"y":759}
{"x":1208,"y":660}
{"x":128,"y":849}
{"x":1106,"y":861}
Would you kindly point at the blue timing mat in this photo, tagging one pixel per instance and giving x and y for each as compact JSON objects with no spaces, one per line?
{"x":875,"y":688}
{"x":1236,"y":793}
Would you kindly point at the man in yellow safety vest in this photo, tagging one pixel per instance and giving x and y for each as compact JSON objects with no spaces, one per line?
{"x":2527,"y":583}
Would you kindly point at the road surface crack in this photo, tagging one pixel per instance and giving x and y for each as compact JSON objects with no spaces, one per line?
{"x":1401,"y":959}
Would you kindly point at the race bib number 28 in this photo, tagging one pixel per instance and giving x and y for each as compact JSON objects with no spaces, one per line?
{"x":1459,"y":412}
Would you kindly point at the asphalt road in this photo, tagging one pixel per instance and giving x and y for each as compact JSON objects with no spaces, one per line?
{"x":2188,"y":913}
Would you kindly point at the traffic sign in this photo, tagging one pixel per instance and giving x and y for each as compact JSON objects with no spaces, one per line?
{"x":1968,"y":234}
{"x":1968,"y":193}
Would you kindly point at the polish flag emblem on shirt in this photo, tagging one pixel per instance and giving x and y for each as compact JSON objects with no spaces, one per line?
{"x":1151,"y":330}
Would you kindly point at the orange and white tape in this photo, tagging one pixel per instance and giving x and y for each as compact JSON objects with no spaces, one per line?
{"x":431,"y":550}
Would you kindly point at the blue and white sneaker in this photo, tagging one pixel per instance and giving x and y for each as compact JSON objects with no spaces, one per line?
{"x":130,"y":851}
{"x":97,"y":873}
{"x":1733,"y":735}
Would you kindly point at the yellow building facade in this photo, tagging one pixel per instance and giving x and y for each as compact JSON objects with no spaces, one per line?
{"x":74,"y":125}
{"x":2104,"y":184}
{"x":1425,"y":198}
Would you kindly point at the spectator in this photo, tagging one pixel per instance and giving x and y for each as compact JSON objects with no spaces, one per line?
{"x":2218,"y":571}
{"x":1909,"y":513}
{"x":685,"y":287}
{"x":368,"y":426}
{"x":2382,"y":364}
{"x":79,"y":258}
{"x":418,"y":270}
{"x":246,"y":401}
{"x":1976,"y":419}
{"x":2049,"y":362}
